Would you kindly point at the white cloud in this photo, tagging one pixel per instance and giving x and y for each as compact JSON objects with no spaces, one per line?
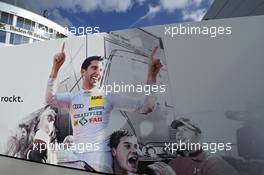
{"x":141,"y":2}
{"x":60,"y":19}
{"x":190,"y":9}
{"x":105,"y":5}
{"x":73,"y":6}
{"x":172,"y":5}
{"x":195,"y":15}
{"x":152,"y":11}
{"x":197,"y":2}
{"x":78,"y":5}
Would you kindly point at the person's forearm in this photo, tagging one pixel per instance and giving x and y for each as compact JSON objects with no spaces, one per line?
{"x":151,"y":80}
{"x":154,"y":67}
{"x":49,"y":91}
{"x":58,"y":61}
{"x":54,"y":72}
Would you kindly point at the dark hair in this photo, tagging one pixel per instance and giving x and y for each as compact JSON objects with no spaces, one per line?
{"x":25,"y":126}
{"x":116,"y":136}
{"x":86,"y":63}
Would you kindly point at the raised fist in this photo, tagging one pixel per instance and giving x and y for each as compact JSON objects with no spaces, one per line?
{"x":58,"y":60}
{"x":154,"y":67}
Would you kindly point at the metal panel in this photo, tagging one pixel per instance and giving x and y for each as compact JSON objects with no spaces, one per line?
{"x":234,"y":8}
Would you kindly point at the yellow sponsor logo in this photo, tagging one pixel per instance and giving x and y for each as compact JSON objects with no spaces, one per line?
{"x":97,"y":101}
{"x":76,"y":122}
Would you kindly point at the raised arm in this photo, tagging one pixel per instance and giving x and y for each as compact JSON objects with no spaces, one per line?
{"x":154,"y":67}
{"x":51,"y":98}
{"x":142,"y":105}
{"x":58,"y":60}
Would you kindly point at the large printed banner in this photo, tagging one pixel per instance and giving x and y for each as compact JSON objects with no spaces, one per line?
{"x":172,"y":99}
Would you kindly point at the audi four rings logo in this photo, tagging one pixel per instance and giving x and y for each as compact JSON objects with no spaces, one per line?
{"x":77,"y":106}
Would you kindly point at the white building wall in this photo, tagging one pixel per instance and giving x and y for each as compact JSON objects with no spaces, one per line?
{"x":36,"y":34}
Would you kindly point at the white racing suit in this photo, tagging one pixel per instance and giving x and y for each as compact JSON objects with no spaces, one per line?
{"x":90,"y":113}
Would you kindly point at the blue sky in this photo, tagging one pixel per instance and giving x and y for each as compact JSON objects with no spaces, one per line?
{"x":112,"y":15}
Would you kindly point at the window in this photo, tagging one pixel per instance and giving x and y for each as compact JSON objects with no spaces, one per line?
{"x":25,"y":39}
{"x":45,"y":29}
{"x":40,"y":26}
{"x":12,"y":36}
{"x":50,"y":31}
{"x":33,"y":25}
{"x":2,"y":36}
{"x":10,"y":20}
{"x":18,"y":39}
{"x":6,"y":18}
{"x":25,"y":23}
{"x":20,"y":22}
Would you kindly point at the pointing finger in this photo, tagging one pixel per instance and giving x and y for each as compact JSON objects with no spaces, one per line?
{"x":154,"y":52}
{"x":62,"y":48}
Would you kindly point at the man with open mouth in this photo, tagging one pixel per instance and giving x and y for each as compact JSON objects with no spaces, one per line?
{"x":125,"y":152}
{"x":124,"y":147}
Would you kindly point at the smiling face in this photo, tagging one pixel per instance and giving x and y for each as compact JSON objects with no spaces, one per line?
{"x":92,"y":75}
{"x":126,"y":155}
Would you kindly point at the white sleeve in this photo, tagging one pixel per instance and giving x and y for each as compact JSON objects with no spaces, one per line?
{"x":141,"y":105}
{"x":42,"y":135}
{"x":53,"y":99}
